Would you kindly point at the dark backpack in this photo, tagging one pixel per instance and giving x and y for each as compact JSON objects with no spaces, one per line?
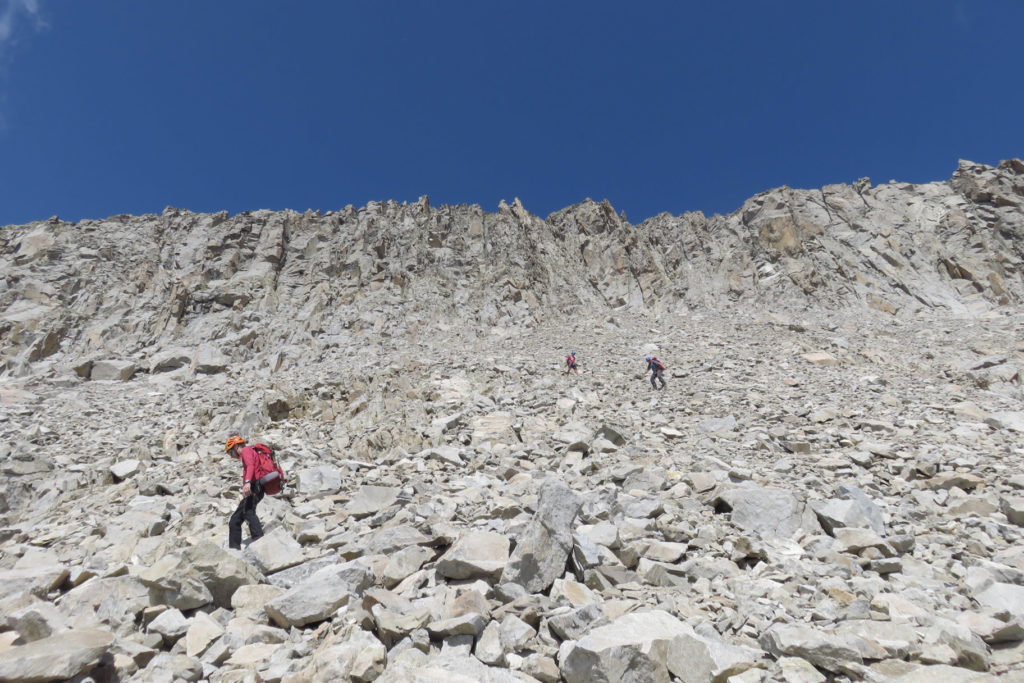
{"x":268,"y":470}
{"x":656,"y":364}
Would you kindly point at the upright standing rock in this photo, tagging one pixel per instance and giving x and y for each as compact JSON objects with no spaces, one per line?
{"x":540,"y":557}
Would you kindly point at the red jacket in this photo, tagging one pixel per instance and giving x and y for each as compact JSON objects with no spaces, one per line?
{"x":250,"y":463}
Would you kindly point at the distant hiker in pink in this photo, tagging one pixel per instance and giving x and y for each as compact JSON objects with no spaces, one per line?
{"x":252,"y":493}
{"x":570,"y":363}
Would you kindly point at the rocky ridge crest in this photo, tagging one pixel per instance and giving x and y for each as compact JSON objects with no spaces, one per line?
{"x":140,"y":285}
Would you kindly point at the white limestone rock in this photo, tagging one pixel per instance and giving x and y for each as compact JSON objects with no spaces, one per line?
{"x":316,"y":598}
{"x":58,"y":657}
{"x":477,"y":554}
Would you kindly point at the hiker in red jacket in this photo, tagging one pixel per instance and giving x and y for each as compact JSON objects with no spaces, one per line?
{"x":252,"y":493}
{"x":570,"y":363}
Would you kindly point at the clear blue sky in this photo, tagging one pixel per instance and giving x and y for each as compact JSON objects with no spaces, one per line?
{"x":129,"y":106}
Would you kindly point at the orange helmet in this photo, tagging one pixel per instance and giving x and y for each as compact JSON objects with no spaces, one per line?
{"x":232,"y":442}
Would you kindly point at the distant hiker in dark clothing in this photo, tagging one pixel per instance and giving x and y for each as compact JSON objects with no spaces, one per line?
{"x":252,"y":493}
{"x":570,"y":363}
{"x":657,"y":371}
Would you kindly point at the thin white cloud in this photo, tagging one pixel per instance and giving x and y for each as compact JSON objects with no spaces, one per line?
{"x":18,"y":18}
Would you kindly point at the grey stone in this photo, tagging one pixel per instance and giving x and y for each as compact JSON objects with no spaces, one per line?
{"x":316,"y":598}
{"x":321,"y":480}
{"x":636,"y":645}
{"x":275,"y":551}
{"x":171,"y":624}
{"x":116,"y":370}
{"x":37,"y":621}
{"x":221,"y":571}
{"x":766,"y":511}
{"x":477,"y":554}
{"x":370,"y":500}
{"x":124,"y":469}
{"x":58,"y":657}
{"x":540,"y":556}
{"x":823,"y":649}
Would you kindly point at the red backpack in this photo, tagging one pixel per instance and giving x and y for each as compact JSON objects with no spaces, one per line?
{"x":268,"y":471}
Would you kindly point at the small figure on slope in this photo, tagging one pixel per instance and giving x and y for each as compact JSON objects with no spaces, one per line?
{"x":570,"y":363}
{"x":657,"y":370}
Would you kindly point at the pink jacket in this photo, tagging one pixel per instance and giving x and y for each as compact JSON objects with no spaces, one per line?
{"x":249,"y":459}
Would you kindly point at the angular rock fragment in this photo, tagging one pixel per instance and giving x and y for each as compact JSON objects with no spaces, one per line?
{"x":769,"y":512}
{"x":58,"y":657}
{"x":477,"y":554}
{"x":316,"y":598}
{"x":222,"y":572}
{"x":540,"y":556}
{"x":370,"y":500}
{"x":275,"y":551}
{"x":636,"y":645}
{"x":172,"y":581}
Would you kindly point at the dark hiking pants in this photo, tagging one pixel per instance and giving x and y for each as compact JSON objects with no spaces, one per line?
{"x":657,"y":375}
{"x":246,"y":512}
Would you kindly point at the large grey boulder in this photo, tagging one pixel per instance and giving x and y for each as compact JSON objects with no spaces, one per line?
{"x":170,"y":359}
{"x":173,"y":581}
{"x":696,"y":659}
{"x":446,"y":668}
{"x":202,"y":630}
{"x":210,"y":361}
{"x":369,"y":500}
{"x":221,"y":571}
{"x":124,"y":469}
{"x":540,"y":555}
{"x":765,"y":511}
{"x":388,"y":540}
{"x":477,"y":554}
{"x":831,"y":651}
{"x":634,"y":647}
{"x":870,"y":513}
{"x":115,"y":601}
{"x":36,"y":580}
{"x":574,"y":623}
{"x":316,"y":598}
{"x":117,"y":370}
{"x":56,"y":658}
{"x":291,"y":577}
{"x":37,"y":621}
{"x":1003,"y":597}
{"x":833,"y":514}
{"x":171,"y":624}
{"x":352,"y":655}
{"x":275,"y":551}
{"x":322,"y":480}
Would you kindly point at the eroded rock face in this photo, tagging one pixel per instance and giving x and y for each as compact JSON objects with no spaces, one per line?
{"x":828,"y":488}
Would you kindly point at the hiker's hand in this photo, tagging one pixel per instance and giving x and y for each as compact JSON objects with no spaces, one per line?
{"x":246,"y":490}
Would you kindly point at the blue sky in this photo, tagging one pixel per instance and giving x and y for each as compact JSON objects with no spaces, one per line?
{"x":128,"y":106}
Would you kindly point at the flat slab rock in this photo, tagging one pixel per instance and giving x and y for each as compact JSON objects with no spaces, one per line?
{"x":638,"y":642}
{"x":370,"y":500}
{"x":477,"y":554}
{"x":55,"y":658}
